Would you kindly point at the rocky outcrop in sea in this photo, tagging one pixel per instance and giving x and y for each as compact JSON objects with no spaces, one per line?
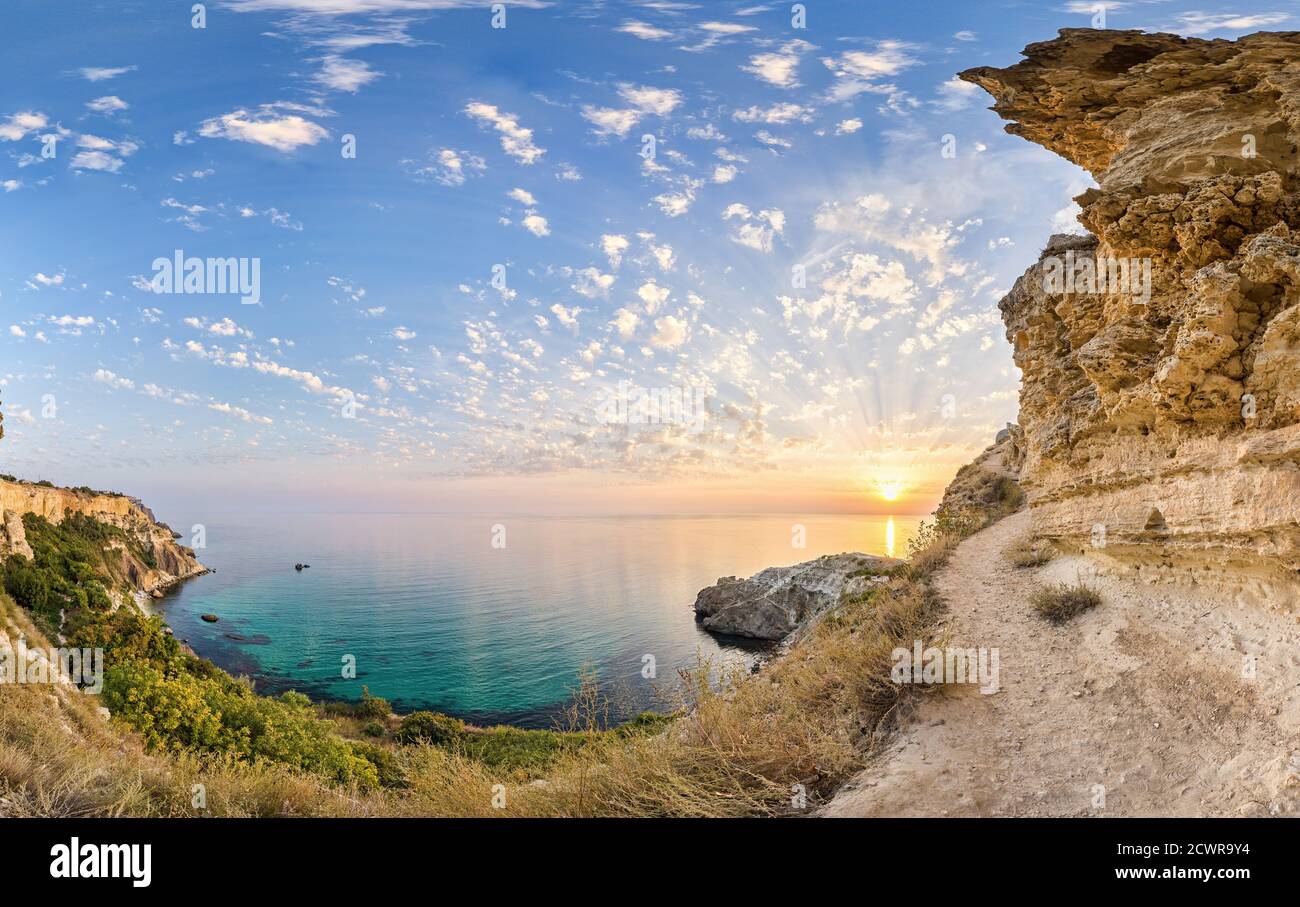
{"x":776,"y":602}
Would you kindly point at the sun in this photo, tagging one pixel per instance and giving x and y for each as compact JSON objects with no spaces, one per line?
{"x":889,"y":491}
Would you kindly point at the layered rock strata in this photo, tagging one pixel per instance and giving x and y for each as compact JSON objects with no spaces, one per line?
{"x":1161,"y":386}
{"x":171,"y":561}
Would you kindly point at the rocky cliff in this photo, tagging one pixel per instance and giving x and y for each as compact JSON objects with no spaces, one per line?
{"x":1161,"y":390}
{"x":169,"y":563}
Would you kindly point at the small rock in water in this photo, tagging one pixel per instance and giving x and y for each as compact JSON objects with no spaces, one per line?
{"x":210,"y":618}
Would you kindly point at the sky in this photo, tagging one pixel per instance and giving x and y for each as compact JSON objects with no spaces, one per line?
{"x":472,"y":231}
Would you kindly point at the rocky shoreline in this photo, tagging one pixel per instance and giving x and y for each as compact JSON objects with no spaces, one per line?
{"x":168,"y":563}
{"x":777,"y":602}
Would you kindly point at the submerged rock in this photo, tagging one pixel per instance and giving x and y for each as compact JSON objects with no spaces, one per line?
{"x":775,"y":602}
{"x":210,"y":618}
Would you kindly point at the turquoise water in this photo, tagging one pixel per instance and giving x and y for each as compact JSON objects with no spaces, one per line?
{"x":437,"y":618}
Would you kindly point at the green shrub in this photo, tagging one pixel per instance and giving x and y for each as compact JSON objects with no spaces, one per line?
{"x":372,"y":706}
{"x":373,"y":729}
{"x":430,"y":727}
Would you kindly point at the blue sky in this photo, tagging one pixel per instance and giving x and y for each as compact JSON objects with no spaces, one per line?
{"x":384,"y":369}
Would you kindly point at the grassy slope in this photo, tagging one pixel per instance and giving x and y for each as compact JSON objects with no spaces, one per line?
{"x":764,"y":744}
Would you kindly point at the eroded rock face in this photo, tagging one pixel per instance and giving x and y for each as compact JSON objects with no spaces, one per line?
{"x":776,"y":602}
{"x":1167,"y":414}
{"x":172,"y":562}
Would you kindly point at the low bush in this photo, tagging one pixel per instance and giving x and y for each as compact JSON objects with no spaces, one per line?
{"x":1030,"y":554}
{"x":1061,"y":603}
{"x":429,"y":727}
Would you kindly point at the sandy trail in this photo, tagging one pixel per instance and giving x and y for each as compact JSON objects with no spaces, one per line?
{"x":1137,"y":708}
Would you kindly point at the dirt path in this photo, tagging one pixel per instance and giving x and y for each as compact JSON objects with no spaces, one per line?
{"x":1142,"y":700}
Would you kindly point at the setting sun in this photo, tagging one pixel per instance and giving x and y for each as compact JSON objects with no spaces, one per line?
{"x":889,"y":491}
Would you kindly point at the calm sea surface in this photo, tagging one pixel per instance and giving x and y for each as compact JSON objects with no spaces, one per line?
{"x":437,"y":618}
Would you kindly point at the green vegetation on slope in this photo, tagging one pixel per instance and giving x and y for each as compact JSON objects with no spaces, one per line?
{"x":179,"y":702}
{"x":174,"y":699}
{"x":769,"y":743}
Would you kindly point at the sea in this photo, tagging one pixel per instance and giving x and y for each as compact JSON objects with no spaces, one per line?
{"x":493,"y":620}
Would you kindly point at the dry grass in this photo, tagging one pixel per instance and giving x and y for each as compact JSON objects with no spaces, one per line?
{"x":748,"y":745}
{"x":1031,"y":554}
{"x":1064,"y":602}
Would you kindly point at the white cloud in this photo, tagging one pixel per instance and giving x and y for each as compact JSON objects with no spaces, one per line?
{"x":772,"y":141}
{"x":403,"y":333}
{"x":17,"y":331}
{"x":1199,"y":23}
{"x":780,"y":67}
{"x":644,"y":30}
{"x":652,"y":296}
{"x":965,"y":36}
{"x":785,"y":112}
{"x":592,"y":283}
{"x":848,"y":127}
{"x":18,"y":125}
{"x":452,"y":167}
{"x":566,"y":316}
{"x":535,"y":224}
{"x":956,"y":94}
{"x":516,"y":141}
{"x":107,"y":105}
{"x":670,"y":332}
{"x":100,"y":73}
{"x":626,"y":321}
{"x":96,"y":160}
{"x":757,"y":231}
{"x":343,"y":74}
{"x":858,"y":71}
{"x":72,"y":321}
{"x":726,"y":28}
{"x":613,"y":245}
{"x":643,"y":100}
{"x":223,"y":328}
{"x":101,"y":154}
{"x":610,"y":120}
{"x":104,"y":376}
{"x":523,"y":196}
{"x":240,"y":412}
{"x":675,"y":204}
{"x":659,"y":101}
{"x":281,"y":131}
